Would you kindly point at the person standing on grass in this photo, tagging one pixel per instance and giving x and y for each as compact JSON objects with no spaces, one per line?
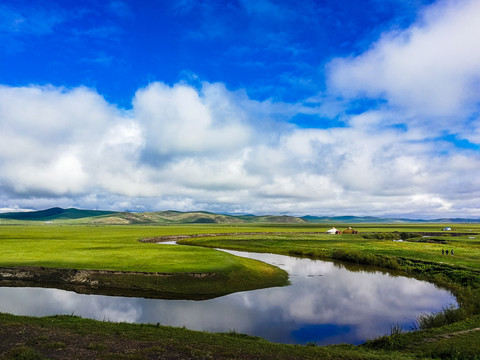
{"x":443,"y":252}
{"x":451,"y":252}
{"x":447,"y":252}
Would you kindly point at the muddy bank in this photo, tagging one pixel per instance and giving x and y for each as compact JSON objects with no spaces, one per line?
{"x":105,"y":282}
{"x":180,"y":285}
{"x":74,"y":276}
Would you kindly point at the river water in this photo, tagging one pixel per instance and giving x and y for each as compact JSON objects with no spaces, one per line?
{"x":325,"y":304}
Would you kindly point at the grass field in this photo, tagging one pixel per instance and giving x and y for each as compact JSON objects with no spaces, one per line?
{"x":117,"y":248}
{"x":450,"y":335}
{"x":319,"y":245}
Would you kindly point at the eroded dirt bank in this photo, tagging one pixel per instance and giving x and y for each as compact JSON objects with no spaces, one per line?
{"x":74,"y":276}
{"x":106,"y":282}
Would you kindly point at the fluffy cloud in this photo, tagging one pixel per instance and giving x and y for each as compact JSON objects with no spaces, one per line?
{"x":183,"y":148}
{"x":46,"y":135}
{"x":180,"y":120}
{"x":430,"y":69}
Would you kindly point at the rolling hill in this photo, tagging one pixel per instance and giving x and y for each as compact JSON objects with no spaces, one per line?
{"x":55,"y":213}
{"x":378,"y":220}
{"x":98,"y":217}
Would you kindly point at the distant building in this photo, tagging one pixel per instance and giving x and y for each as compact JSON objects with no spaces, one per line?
{"x":349,"y":231}
{"x":333,"y":230}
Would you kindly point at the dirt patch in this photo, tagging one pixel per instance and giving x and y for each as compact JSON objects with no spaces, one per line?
{"x":433,"y":241}
{"x":74,"y":276}
{"x":56,"y":343}
{"x":450,"y":335}
{"x":105,"y":282}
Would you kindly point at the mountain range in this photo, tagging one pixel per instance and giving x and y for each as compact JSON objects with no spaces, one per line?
{"x":196,"y":217}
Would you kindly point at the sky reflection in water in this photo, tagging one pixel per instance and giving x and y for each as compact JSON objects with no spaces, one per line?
{"x":325,"y":304}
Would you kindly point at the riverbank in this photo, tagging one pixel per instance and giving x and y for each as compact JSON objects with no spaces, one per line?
{"x":416,"y":257}
{"x":180,"y":286}
{"x":70,"y":337}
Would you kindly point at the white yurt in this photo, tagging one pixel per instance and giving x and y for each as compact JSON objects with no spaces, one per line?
{"x":332,"y":231}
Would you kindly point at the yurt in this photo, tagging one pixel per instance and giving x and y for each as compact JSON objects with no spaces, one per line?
{"x":349,"y":231}
{"x":333,"y":230}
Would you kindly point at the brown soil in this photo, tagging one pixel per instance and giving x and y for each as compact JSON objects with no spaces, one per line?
{"x":59,"y":338}
{"x":57,"y":343}
{"x":103,"y":282}
{"x":450,"y":335}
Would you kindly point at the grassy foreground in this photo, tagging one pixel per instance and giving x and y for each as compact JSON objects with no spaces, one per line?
{"x":68,"y":337}
{"x":179,"y":272}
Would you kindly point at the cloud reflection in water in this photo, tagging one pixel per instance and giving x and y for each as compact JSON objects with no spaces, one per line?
{"x":325,"y":303}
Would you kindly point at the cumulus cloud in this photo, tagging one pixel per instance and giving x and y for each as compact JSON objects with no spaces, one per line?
{"x":183,"y":121}
{"x":429,"y":69}
{"x":46,"y":133}
{"x":186,"y":148}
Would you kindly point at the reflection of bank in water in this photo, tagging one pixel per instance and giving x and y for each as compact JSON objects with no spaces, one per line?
{"x":352,"y":306}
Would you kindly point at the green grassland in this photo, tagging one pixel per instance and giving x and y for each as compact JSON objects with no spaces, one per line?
{"x":367,"y":242}
{"x":418,"y":255}
{"x":451,"y":334}
{"x":117,"y":248}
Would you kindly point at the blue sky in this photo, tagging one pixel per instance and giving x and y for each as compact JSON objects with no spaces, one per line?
{"x":273,"y":50}
{"x":292,"y":107}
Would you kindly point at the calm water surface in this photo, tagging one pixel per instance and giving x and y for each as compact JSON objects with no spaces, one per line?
{"x":325,"y":303}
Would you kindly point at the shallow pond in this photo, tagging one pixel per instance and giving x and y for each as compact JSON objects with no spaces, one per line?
{"x":325,"y":304}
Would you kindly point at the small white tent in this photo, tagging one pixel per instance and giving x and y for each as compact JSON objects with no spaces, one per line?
{"x":332,"y":231}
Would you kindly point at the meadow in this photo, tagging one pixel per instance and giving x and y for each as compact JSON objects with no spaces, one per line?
{"x":450,"y":334}
{"x":118,"y":249}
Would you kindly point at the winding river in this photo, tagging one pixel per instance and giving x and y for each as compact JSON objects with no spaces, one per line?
{"x":325,"y":304}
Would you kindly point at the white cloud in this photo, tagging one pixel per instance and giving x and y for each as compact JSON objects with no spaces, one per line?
{"x":211,"y":148}
{"x":429,"y":69}
{"x":47,"y":133}
{"x":180,"y":120}
{"x":62,"y":175}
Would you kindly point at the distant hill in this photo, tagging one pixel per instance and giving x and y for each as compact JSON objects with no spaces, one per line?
{"x":55,"y":213}
{"x":377,"y":220}
{"x":343,"y":219}
{"x":357,"y":220}
{"x":77,"y":216}
{"x":193,"y":217}
{"x":160,"y":217}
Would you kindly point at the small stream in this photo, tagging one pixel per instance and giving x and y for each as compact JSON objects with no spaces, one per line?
{"x":325,"y":304}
